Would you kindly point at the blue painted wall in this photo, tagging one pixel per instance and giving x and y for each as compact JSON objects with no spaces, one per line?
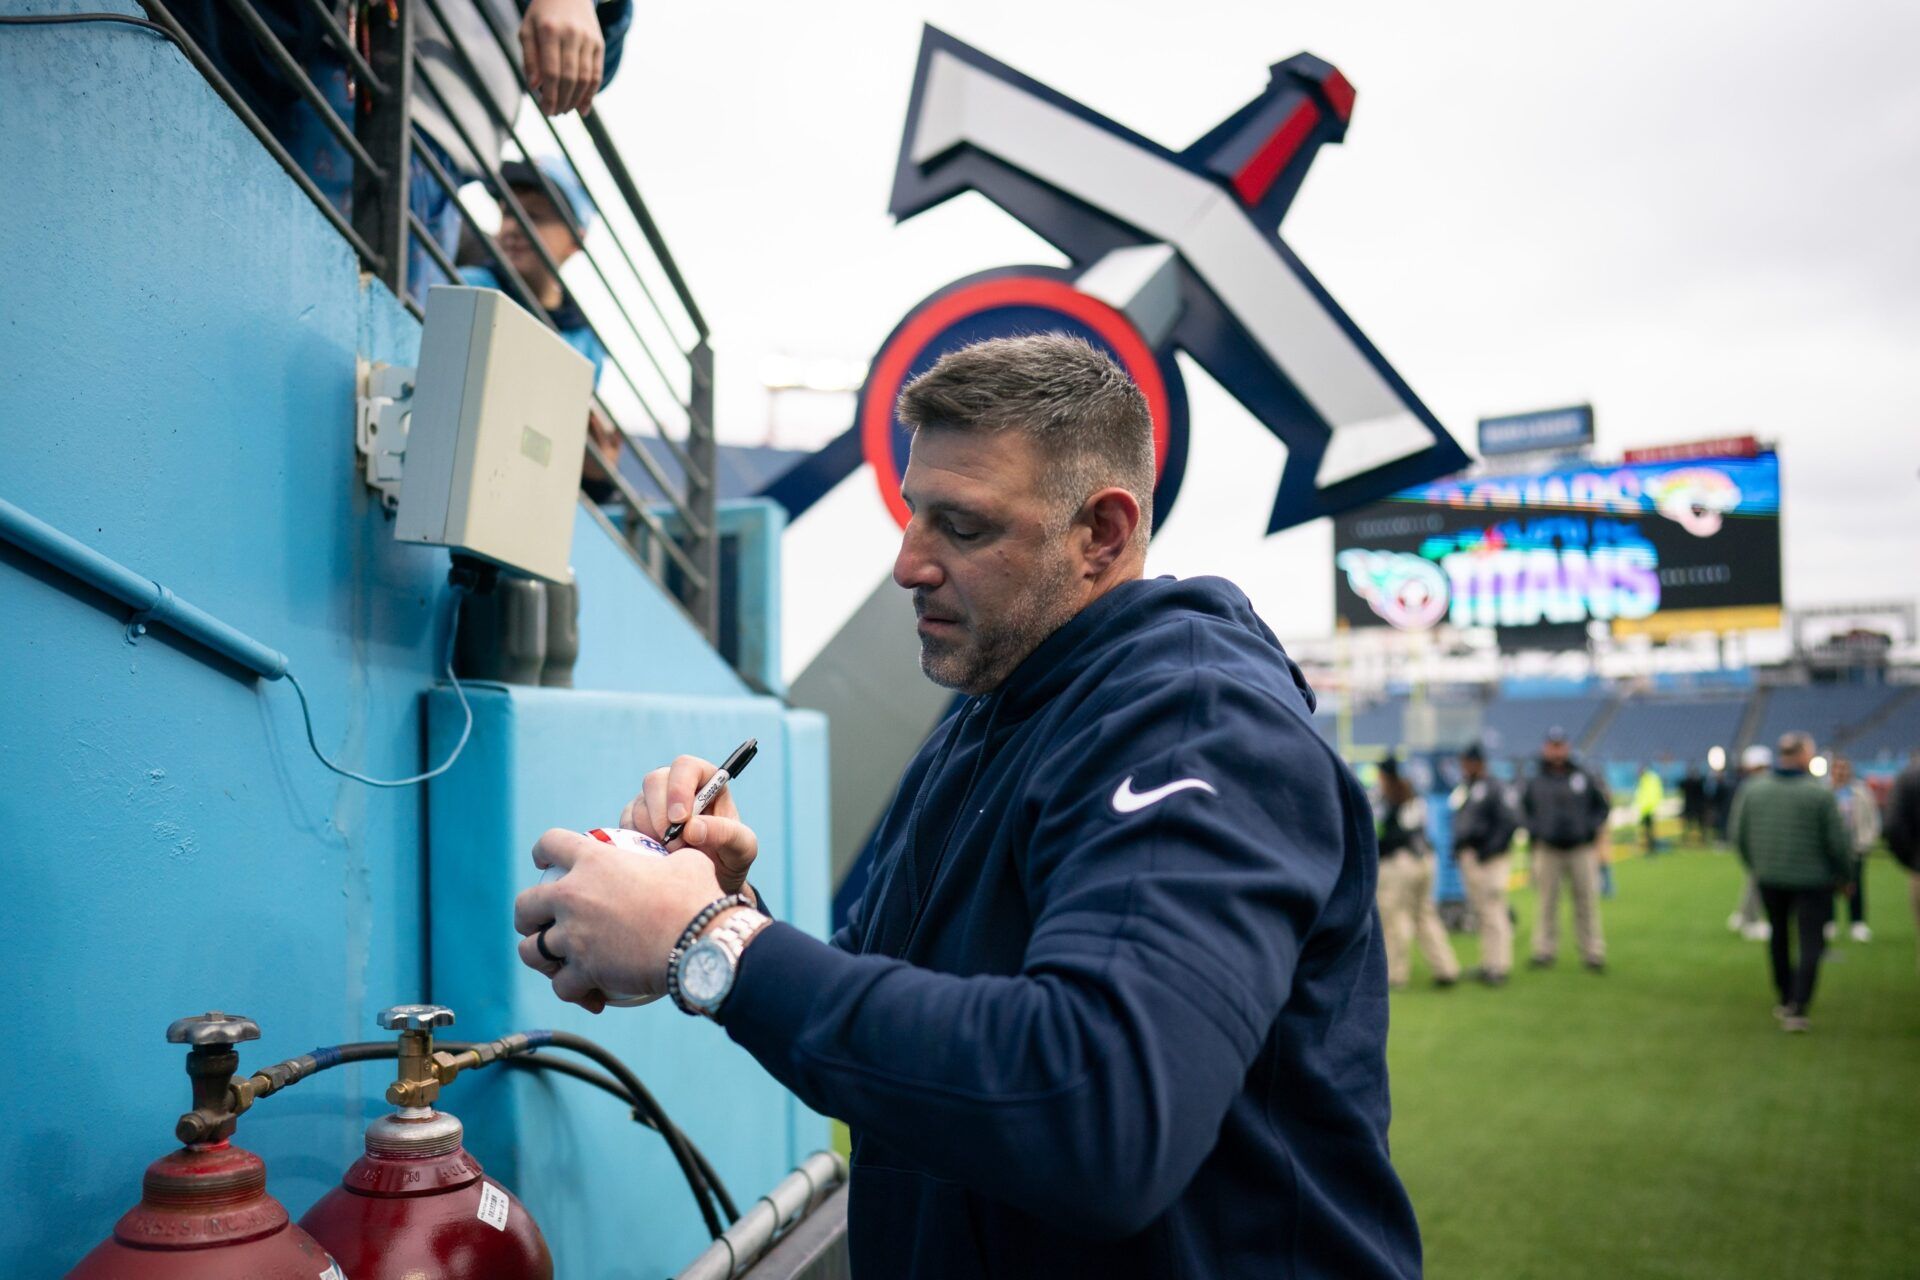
{"x":178,"y":335}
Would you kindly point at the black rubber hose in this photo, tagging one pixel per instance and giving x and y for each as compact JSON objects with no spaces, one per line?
{"x":676,"y":1141}
{"x":364,"y":1051}
{"x":702,"y":1180}
{"x":607,"y":1084}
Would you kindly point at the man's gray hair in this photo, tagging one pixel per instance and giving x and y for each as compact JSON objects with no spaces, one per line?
{"x":1795,"y":743}
{"x":1088,"y":420}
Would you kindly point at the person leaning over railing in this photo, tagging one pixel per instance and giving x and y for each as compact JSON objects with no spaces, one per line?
{"x":570,"y":49}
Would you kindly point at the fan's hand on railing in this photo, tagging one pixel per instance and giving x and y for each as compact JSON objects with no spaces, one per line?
{"x":564,"y":52}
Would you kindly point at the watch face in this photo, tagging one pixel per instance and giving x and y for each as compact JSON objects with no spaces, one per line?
{"x":705,"y":973}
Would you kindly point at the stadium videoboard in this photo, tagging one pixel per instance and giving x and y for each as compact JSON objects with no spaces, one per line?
{"x":1652,"y":548}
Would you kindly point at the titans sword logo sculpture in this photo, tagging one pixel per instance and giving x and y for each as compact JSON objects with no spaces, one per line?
{"x":1168,"y":252}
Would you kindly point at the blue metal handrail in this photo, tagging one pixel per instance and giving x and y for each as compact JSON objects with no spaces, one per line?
{"x":151,"y":602}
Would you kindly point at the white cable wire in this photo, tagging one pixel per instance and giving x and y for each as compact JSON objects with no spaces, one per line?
{"x":453,"y":629}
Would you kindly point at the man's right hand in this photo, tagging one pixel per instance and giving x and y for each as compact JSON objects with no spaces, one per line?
{"x":666,"y":797}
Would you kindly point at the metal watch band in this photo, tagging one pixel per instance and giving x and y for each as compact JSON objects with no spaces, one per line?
{"x":737,"y":930}
{"x":687,"y":936}
{"x":731,"y":937}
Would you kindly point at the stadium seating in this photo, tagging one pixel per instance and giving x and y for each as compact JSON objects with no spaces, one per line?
{"x":1876,"y":724}
{"x":1515,"y":726}
{"x":1827,"y":711}
{"x":1890,"y":738}
{"x":1683,"y":729}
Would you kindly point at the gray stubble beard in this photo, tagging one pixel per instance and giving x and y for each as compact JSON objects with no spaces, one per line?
{"x":1002,"y":645}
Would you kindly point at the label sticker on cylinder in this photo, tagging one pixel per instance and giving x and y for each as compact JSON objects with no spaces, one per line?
{"x":493,"y":1206}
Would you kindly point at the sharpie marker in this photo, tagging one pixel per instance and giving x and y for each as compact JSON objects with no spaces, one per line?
{"x":734,"y":766}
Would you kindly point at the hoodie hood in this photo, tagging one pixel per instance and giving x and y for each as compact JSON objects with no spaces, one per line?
{"x":1124,"y":614}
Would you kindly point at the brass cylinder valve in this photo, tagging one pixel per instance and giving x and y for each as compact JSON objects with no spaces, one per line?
{"x":421,"y":1073}
{"x":211,"y":1062}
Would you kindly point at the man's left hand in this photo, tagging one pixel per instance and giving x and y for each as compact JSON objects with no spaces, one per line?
{"x":612,"y":918}
{"x":564,"y":52}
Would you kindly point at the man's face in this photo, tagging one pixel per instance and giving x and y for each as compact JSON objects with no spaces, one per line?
{"x":1842,"y":773}
{"x":989,"y":560}
{"x":548,"y":224}
{"x":1471,"y":768}
{"x":1556,"y":752}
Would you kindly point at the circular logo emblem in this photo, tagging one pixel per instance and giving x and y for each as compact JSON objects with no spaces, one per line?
{"x":1008,"y":303}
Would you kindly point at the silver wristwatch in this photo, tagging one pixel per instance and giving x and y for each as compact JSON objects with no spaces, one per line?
{"x":705,"y":971}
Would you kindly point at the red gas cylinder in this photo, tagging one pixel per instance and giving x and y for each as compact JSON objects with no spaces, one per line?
{"x":206,"y":1215}
{"x":417,"y":1204}
{"x":204,"y":1211}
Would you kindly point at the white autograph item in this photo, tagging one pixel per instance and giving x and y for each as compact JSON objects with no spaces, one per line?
{"x":634,"y":842}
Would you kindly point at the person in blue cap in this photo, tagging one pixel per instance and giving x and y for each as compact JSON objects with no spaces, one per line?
{"x":555,"y":229}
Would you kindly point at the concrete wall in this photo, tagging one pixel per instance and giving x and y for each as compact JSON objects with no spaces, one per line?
{"x":178,"y":333}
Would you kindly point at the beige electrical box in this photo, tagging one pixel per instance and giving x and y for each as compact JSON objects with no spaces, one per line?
{"x":498,"y":431}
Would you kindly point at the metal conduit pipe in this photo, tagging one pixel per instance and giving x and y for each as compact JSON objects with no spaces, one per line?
{"x":150,"y":601}
{"x":770,"y":1217}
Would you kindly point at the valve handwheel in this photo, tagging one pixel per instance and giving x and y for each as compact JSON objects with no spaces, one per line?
{"x":415,"y":1017}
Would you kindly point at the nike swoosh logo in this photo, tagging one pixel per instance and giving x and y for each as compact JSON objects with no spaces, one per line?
{"x":1127,"y":800}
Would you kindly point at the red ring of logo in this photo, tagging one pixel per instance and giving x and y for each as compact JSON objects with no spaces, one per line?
{"x":927,"y":323}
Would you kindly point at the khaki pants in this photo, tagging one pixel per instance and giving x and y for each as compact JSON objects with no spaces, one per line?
{"x":1580,"y":868}
{"x":1407,"y":913}
{"x":1487,"y":890}
{"x":1916,"y":906}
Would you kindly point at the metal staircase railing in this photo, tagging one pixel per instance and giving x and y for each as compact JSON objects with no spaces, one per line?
{"x":659,"y":357}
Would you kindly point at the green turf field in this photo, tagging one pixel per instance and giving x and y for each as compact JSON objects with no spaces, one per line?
{"x":1654,"y":1122}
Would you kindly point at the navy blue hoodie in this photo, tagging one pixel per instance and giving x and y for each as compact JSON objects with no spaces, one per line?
{"x":1114,"y":1002}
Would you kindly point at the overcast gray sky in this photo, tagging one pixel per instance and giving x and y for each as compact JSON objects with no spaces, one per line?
{"x":1701,"y":217}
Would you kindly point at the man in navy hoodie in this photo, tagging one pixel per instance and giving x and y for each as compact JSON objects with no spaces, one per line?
{"x":1114,"y":1002}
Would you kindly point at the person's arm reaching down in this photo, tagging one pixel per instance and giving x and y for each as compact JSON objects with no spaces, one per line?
{"x":570,"y":48}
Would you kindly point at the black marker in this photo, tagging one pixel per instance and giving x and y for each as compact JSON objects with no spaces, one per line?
{"x":735,"y":765}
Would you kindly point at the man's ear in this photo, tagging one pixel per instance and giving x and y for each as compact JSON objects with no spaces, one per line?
{"x":1110,"y":517}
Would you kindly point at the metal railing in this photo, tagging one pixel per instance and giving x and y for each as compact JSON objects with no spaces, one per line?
{"x":658,"y":376}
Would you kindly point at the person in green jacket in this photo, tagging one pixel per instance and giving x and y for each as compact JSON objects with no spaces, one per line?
{"x":1787,"y":830}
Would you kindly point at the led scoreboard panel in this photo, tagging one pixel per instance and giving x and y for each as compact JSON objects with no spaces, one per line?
{"x":1655,"y":548}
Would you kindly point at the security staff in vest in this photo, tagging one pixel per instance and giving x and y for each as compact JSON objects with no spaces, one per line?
{"x":1483,"y":826}
{"x":1114,"y":1002}
{"x":1564,"y":809}
{"x":1404,"y":893}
